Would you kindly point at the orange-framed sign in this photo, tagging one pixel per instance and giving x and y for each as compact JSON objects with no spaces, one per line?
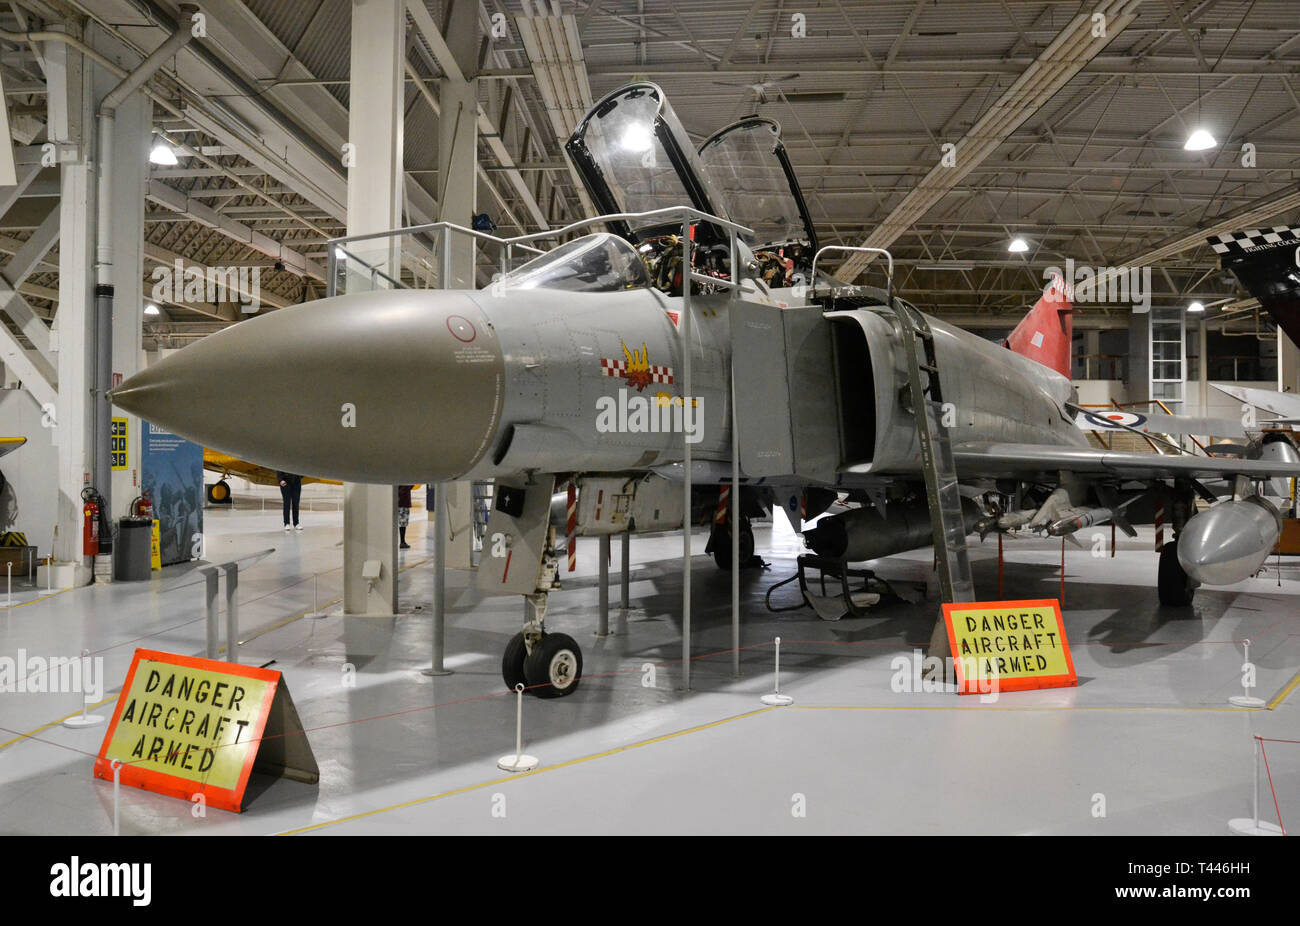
{"x":186,"y":726}
{"x":1008,"y":645}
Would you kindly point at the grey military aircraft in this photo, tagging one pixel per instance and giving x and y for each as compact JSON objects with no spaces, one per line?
{"x":571,"y":369}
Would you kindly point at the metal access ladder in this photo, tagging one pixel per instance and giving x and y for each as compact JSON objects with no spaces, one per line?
{"x":941,"y":488}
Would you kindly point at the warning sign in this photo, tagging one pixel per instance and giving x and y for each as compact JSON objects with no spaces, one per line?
{"x":1018,"y":645}
{"x":187,"y":726}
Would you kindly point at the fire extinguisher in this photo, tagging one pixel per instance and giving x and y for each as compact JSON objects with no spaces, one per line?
{"x":142,"y":508}
{"x":90,"y":524}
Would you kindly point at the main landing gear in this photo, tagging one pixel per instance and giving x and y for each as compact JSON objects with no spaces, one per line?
{"x":1175,"y":586}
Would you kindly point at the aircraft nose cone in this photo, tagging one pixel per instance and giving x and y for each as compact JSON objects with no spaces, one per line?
{"x":396,"y":386}
{"x":1229,"y":542}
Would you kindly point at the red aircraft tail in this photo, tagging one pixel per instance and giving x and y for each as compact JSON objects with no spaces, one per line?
{"x":1046,"y":333}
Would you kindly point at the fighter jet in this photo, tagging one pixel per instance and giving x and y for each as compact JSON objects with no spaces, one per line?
{"x":571,"y":368}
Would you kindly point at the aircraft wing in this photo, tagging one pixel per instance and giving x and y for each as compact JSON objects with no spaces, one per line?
{"x":1103,"y":419}
{"x":1285,"y":405}
{"x":1027,"y":460}
{"x":225,"y":465}
{"x":10,"y":444}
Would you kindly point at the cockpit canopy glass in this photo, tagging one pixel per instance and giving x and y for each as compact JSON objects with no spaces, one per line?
{"x":747,"y":165}
{"x":602,"y":263}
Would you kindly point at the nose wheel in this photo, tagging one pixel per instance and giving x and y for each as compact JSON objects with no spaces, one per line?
{"x":553,"y":668}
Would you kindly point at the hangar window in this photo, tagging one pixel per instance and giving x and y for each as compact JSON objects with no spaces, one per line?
{"x":602,"y":263}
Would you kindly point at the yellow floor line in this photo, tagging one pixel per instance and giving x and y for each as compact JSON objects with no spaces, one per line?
{"x":518,"y":776}
{"x":43,"y":598}
{"x":1282,"y":695}
{"x":55,"y":723}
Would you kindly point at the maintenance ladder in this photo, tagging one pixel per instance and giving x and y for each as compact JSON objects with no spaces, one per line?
{"x":947,"y":523}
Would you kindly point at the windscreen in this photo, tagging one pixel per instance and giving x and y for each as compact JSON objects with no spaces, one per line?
{"x":602,"y":263}
{"x":747,"y":165}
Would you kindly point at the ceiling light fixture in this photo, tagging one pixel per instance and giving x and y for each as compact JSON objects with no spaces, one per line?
{"x":1196,"y":307}
{"x":163,"y":154}
{"x":151,"y":309}
{"x":1018,"y":245}
{"x":1199,"y":140}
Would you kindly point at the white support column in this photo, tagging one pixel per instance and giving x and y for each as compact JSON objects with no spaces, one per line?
{"x":458,"y":140}
{"x":70,"y":97}
{"x":374,"y":204}
{"x":132,"y":133}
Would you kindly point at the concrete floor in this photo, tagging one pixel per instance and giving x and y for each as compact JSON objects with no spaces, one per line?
{"x":1146,"y":743}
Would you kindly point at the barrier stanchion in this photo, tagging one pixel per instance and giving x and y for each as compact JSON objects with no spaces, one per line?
{"x":116,"y":765}
{"x":518,"y":762}
{"x":602,"y":618}
{"x":9,"y":586}
{"x":83,"y":719}
{"x":232,"y":611}
{"x":1247,"y":675}
{"x":776,"y":699}
{"x":210,"y":609}
{"x":1254,"y":826}
{"x":316,"y":612}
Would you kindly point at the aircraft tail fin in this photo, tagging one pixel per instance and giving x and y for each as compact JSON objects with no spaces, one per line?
{"x":1047,"y":332}
{"x":1267,"y":262}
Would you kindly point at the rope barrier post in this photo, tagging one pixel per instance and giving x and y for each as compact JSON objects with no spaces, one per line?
{"x":1063,"y":572}
{"x":602,"y":628}
{"x":776,"y":699}
{"x":1247,"y":675}
{"x":733,"y":506}
{"x":210,"y":607}
{"x":232,"y":611}
{"x":316,"y":612}
{"x":1253,"y":826}
{"x":83,"y":719}
{"x":999,"y":565}
{"x":116,"y":765}
{"x":9,"y":589}
{"x":687,"y":270}
{"x":626,"y":567}
{"x":518,"y":762}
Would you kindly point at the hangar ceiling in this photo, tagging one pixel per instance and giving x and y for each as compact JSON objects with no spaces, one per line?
{"x":1078,"y":147}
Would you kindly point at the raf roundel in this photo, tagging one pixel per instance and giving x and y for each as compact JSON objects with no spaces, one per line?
{"x":1116,"y":419}
{"x":461,"y":328}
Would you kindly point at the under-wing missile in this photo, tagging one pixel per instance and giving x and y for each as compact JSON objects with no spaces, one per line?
{"x":1076,"y":522}
{"x":1230,"y":541}
{"x":862,"y":534}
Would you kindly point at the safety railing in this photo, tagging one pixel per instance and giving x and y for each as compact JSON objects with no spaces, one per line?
{"x":346,"y":248}
{"x":889,"y":273}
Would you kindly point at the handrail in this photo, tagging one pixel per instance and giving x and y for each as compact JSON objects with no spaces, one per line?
{"x":665,"y":213}
{"x":889,"y":279}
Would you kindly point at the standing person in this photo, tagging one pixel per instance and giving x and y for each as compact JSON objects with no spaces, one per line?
{"x":403,"y":513}
{"x":291,"y":494}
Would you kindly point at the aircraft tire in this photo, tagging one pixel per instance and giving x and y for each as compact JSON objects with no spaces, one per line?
{"x":554,"y":668}
{"x":1175,"y":585}
{"x":512,"y":662}
{"x":722,"y":547}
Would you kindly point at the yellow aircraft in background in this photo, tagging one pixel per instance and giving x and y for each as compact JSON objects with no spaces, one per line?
{"x":219,"y":492}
